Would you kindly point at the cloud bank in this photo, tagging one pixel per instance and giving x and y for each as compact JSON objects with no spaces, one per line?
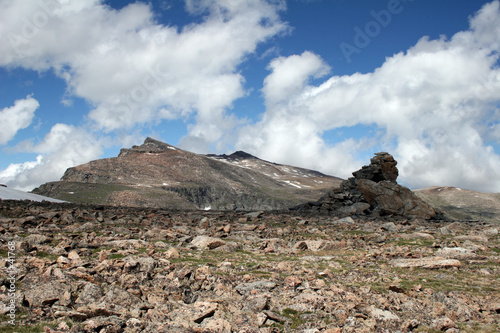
{"x":435,"y":106}
{"x":133,"y":70}
{"x":63,"y":147}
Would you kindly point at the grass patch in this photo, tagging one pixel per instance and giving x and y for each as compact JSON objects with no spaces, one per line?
{"x":116,"y":256}
{"x":478,"y":327}
{"x":426,"y":329}
{"x":87,"y":193}
{"x":450,"y":281}
{"x":43,"y":254}
{"x":294,"y":316}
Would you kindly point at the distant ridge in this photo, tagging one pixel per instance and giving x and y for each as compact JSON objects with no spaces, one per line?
{"x":463,"y":204}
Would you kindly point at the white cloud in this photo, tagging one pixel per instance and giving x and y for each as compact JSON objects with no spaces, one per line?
{"x":63,"y":147}
{"x":131,"y":68}
{"x":436,"y":104}
{"x":290,"y":74}
{"x":16,"y":117}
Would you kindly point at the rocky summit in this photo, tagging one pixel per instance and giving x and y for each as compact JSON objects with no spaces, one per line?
{"x":158,"y":175}
{"x":374,"y":191}
{"x":77,"y":269}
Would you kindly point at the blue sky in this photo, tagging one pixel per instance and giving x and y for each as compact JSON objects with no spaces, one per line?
{"x":321,"y":84}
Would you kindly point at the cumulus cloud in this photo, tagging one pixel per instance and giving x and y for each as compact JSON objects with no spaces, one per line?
{"x":436,"y":105}
{"x":63,"y":147}
{"x":134,"y":70}
{"x":290,"y":74}
{"x":16,"y":117}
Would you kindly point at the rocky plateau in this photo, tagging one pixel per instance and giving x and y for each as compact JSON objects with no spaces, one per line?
{"x":368,"y":255}
{"x":76,"y":268}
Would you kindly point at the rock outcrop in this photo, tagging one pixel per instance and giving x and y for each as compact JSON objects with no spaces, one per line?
{"x":373,"y":190}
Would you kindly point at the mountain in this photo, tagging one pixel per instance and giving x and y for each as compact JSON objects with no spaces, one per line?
{"x":463,"y":204}
{"x":156,"y":174}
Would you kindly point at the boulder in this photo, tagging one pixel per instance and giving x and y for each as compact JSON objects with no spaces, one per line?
{"x":388,"y":198}
{"x":206,"y":242}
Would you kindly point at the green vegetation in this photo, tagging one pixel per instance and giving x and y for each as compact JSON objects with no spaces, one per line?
{"x":43,"y":254}
{"x":86,"y":193}
{"x":116,"y":256}
{"x":449,"y":281}
{"x":294,"y":316}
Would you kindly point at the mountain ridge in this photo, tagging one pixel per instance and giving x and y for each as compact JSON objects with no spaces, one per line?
{"x":157,"y":174}
{"x":463,"y":204}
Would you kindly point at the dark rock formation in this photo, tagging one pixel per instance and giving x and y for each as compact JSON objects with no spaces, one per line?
{"x":373,"y":190}
{"x":382,"y":167}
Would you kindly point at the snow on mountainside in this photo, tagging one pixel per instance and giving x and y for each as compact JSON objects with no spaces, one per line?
{"x":12,"y":194}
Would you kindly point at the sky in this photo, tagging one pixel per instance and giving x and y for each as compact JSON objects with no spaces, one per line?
{"x":321,"y":84}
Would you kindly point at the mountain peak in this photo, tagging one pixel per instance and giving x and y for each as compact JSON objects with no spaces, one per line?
{"x":150,"y":145}
{"x":157,"y":145}
{"x":241,"y":154}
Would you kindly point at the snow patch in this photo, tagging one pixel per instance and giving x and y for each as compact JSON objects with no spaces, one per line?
{"x":290,"y":183}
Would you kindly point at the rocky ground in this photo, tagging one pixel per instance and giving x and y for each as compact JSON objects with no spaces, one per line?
{"x":101,"y":269}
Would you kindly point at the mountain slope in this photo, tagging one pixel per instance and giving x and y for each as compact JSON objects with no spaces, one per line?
{"x":463,"y":204}
{"x":157,"y":174}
